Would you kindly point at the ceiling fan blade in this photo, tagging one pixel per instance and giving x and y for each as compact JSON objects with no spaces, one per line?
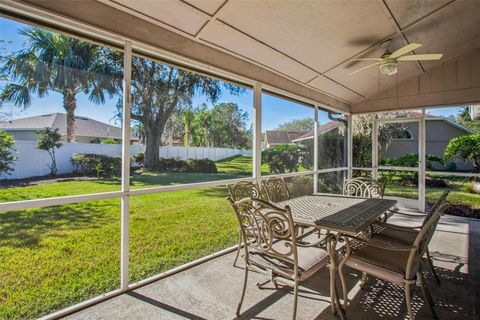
{"x":405,"y":49}
{"x":421,"y":57}
{"x":367,"y":59}
{"x":361,"y":69}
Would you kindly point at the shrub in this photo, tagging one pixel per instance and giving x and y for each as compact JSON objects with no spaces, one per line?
{"x":109,"y":141}
{"x":7,"y":158}
{"x":465,"y":147}
{"x":96,"y":164}
{"x":300,"y":186}
{"x":139,"y":157}
{"x":191,"y":165}
{"x":284,"y":158}
{"x":201,"y":165}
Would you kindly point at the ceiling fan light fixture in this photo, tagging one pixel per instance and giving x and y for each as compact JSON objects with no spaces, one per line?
{"x":388,"y":68}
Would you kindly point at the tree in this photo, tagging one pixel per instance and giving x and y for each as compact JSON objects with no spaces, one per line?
{"x":187,"y":118}
{"x":465,"y":120}
{"x":7,"y":150}
{"x":54,"y":62}
{"x":305,"y":124}
{"x":362,"y":135}
{"x":49,"y":139}
{"x":229,"y":126}
{"x":465,"y":147}
{"x":202,"y":123}
{"x":157,"y":91}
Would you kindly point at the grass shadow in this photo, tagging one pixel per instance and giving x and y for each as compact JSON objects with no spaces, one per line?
{"x":26,"y":228}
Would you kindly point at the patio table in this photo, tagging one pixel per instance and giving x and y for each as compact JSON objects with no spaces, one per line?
{"x":342,"y":214}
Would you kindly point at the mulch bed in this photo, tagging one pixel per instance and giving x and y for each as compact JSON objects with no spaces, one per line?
{"x":463,"y":211}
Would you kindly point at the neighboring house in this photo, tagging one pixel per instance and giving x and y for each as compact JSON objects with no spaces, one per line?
{"x":278,"y":137}
{"x":86,"y":130}
{"x":439,"y":131}
{"x":474,"y":112}
{"x":324,"y":128}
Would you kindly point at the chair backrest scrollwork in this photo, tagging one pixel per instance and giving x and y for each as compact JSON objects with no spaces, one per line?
{"x":267,"y":229}
{"x":244,"y":189}
{"x":363,"y":187}
{"x":276,"y":189}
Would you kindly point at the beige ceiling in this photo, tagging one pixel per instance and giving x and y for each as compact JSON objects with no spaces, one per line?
{"x":312,"y":42}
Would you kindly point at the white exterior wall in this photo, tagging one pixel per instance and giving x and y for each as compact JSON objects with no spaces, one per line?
{"x":32,"y":162}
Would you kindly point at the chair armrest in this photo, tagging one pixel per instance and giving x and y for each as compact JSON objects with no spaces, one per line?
{"x":378,"y":245}
{"x":405,"y":214}
{"x":319,"y":241}
{"x":397,"y":227}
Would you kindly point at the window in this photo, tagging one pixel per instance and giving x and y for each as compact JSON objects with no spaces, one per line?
{"x":287,"y":135}
{"x":65,"y":116}
{"x":193,"y":128}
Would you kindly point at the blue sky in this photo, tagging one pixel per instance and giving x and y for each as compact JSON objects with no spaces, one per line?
{"x":275,"y":111}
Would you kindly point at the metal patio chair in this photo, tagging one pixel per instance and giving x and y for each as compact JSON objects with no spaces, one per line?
{"x":400,"y":264}
{"x":392,"y":233}
{"x":363,"y":187}
{"x":238,"y":191}
{"x":271,"y":247}
{"x":276,"y":189}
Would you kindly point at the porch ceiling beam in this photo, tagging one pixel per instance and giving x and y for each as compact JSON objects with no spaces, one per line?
{"x":141,"y":32}
{"x":397,"y":27}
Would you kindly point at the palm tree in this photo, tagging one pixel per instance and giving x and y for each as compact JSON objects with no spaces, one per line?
{"x":187,"y":117}
{"x":202,"y":123}
{"x":54,"y":62}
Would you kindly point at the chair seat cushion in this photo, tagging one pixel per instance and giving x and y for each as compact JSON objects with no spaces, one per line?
{"x":310,"y":260}
{"x":381,"y":263}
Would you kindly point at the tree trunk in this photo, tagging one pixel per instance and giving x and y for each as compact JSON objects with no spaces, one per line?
{"x":186,"y":141}
{"x":152,"y":147}
{"x":70,"y":104}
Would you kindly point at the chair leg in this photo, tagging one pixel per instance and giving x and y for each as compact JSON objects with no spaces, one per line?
{"x":426,"y":294}
{"x":408,"y":300}
{"x":430,"y":263}
{"x":344,"y":284}
{"x":363,"y":280}
{"x":295,"y":300}
{"x":239,"y":248}
{"x":243,"y":291}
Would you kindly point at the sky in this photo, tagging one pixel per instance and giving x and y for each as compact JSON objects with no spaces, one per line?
{"x":275,"y":111}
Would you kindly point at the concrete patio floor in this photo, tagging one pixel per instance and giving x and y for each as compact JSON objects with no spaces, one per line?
{"x":212,"y":290}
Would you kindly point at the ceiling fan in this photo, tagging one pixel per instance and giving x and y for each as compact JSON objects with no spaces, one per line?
{"x":387,"y":63}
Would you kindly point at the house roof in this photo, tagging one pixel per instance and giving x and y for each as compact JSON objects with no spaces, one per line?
{"x":83,"y":126}
{"x":334,"y":124}
{"x":282,"y":137}
{"x":324,"y":128}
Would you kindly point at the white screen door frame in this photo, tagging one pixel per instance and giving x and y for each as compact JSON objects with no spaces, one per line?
{"x":421,"y":153}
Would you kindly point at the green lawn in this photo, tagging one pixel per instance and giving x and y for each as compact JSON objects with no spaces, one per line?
{"x":54,"y":257}
{"x":458,"y":195}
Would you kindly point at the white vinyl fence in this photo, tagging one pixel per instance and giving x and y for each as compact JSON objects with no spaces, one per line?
{"x":32,"y":162}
